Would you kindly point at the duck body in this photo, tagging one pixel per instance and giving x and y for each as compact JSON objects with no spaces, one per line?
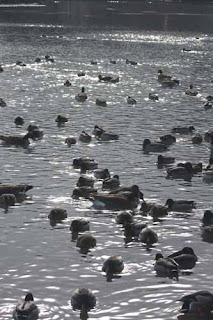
{"x":19,"y":121}
{"x":58,"y":214}
{"x":124,"y":218}
{"x":113,"y":265}
{"x":207,"y":219}
{"x":101,"y":174}
{"x":85,"y":181}
{"x":158,"y":210}
{"x":191,"y":91}
{"x":153,"y":97}
{"x":83,"y":300}
{"x":169,"y":83}
{"x":106,"y":136}
{"x":153,"y":147}
{"x":131,"y":100}
{"x":183,"y":130}
{"x":208,"y":176}
{"x":35,"y":131}
{"x":134,"y":228}
{"x":111,"y":183}
{"x":85,"y":137}
{"x":18,"y":141}
{"x":148,"y":236}
{"x":16,"y":189}
{"x":207,"y":105}
{"x":108,"y":78}
{"x":199,"y":303}
{"x":80,"y":225}
{"x":70,"y":140}
{"x":126,"y":191}
{"x":2,"y":103}
{"x":86,"y":241}
{"x":83,"y":192}
{"x":165,"y":160}
{"x":26,"y":310}
{"x":61,"y":119}
{"x":101,"y":102}
{"x":185,"y":258}
{"x":7,"y":199}
{"x":180,"y":205}
{"x":81,"y":96}
{"x":166,"y":267}
{"x":115,"y":201}
{"x":132,"y":63}
{"x":197,"y":139}
{"x":81,"y":74}
{"x":179,"y":172}
{"x":163,"y":77}
{"x":168,"y":139}
{"x":88,"y":163}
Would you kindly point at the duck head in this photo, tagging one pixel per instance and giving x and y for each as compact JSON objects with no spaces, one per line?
{"x":158,"y":256}
{"x":146,"y":142}
{"x":29,"y":297}
{"x":189,"y":167}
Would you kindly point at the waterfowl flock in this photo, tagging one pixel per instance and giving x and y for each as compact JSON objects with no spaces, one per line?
{"x":128,"y":204}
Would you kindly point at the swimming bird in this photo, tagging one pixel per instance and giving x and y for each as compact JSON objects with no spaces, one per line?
{"x":67,"y":83}
{"x":197,"y":139}
{"x":18,"y":141}
{"x":131,"y":100}
{"x":153,"y":97}
{"x":132,"y":63}
{"x":80,"y":225}
{"x":101,"y":102}
{"x":94,"y":62}
{"x":49,"y":59}
{"x":2,"y":103}
{"x":170,"y":83}
{"x":37,"y":60}
{"x":163,"y":77}
{"x":81,"y":74}
{"x":146,"y":207}
{"x":88,"y":163}
{"x":128,"y":190}
{"x":35,"y":131}
{"x":85,"y":241}
{"x":16,"y":189}
{"x":191,"y":91}
{"x":83,"y":192}
{"x":208,"y":135}
{"x":183,"y":130}
{"x":27,"y":309}
{"x":57,"y":214}
{"x":19,"y":121}
{"x":168,"y":139}
{"x":179,"y":172}
{"x":7,"y":199}
{"x":133,"y":229}
{"x":111,"y":183}
{"x":85,"y":137}
{"x":101,"y":174}
{"x":165,"y":160}
{"x":180,"y":205}
{"x":166,"y":267}
{"x":113,"y":265}
{"x":199,"y":304}
{"x":81,"y":96}
{"x":207,"y":105}
{"x":185,"y":258}
{"x":124,"y":218}
{"x":149,"y":146}
{"x":61,"y":119}
{"x":106,"y":136}
{"x":83,"y":300}
{"x":70,"y":141}
{"x":97,"y":129}
{"x":148,"y":236}
{"x":207,"y":218}
{"x":85,"y":181}
{"x":112,"y":61}
{"x":20,"y":63}
{"x":208,"y":176}
{"x":158,"y":210}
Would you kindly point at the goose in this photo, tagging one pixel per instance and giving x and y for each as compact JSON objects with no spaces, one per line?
{"x":199,"y":304}
{"x":18,"y":141}
{"x":61,"y":119}
{"x":148,"y":236}
{"x":70,"y":141}
{"x":165,"y":160}
{"x":168,"y":139}
{"x":57,"y":214}
{"x":166,"y":267}
{"x":163,"y":77}
{"x":183,"y":130}
{"x":84,"y":300}
{"x":83,"y":192}
{"x":89,"y":164}
{"x":185,"y":258}
{"x":26,"y":309}
{"x":81,"y":96}
{"x":85,"y":241}
{"x":19,"y":121}
{"x":124,"y":218}
{"x":67,"y":83}
{"x":111,"y":183}
{"x":16,"y":189}
{"x":85,"y":181}
{"x":133,"y":229}
{"x":7,"y":199}
{"x":101,"y":174}
{"x":180,"y":205}
{"x":207,"y":218}
{"x":2,"y":103}
{"x":132,"y":63}
{"x":85,"y":137}
{"x":113,"y":265}
{"x":101,"y":102}
{"x":191,"y":91}
{"x":180,"y":172}
{"x":153,"y":97}
{"x":170,"y":83}
{"x":197,"y":139}
{"x":131,"y":100}
{"x":153,"y":147}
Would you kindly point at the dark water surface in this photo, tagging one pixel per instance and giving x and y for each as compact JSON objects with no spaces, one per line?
{"x":38,"y":257}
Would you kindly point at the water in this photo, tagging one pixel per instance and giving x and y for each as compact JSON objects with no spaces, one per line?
{"x":38,"y":257}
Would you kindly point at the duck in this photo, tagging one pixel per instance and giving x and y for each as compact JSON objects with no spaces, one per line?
{"x":84,"y":300}
{"x":81,"y":74}
{"x":37,"y":60}
{"x":7,"y":199}
{"x":208,"y":176}
{"x":207,"y":105}
{"x":101,"y":174}
{"x":149,"y":146}
{"x":111,"y":183}
{"x":124,"y":218}
{"x":16,"y":189}
{"x":133,"y":229}
{"x":94,"y":62}
{"x":183,"y":130}
{"x":163,"y":77}
{"x":180,"y":205}
{"x":101,"y":102}
{"x":146,"y":207}
{"x":105,"y":77}
{"x":86,"y":241}
{"x":67,"y":83}
{"x":106,"y":136}
{"x":79,"y":225}
{"x":197,"y":139}
{"x":131,"y":100}
{"x":57,"y":214}
{"x":148,"y":236}
{"x":1,"y":69}
{"x":88,"y":163}
{"x":2,"y":103}
{"x":19,"y":121}
{"x":26,"y":309}
{"x":96,"y":130}
{"x":112,"y":61}
{"x":85,"y":181}
{"x":166,"y":267}
{"x":49,"y":59}
{"x":113,"y":265}
{"x":170,"y":83}
{"x":179,"y":172}
{"x":132,"y":63}
{"x":191,"y":91}
{"x":81,"y":96}
{"x":158,"y":210}
{"x":20,"y":63}
{"x":153,"y":97}
{"x":70,"y":141}
{"x":185,"y":258}
{"x":128,"y":190}
{"x":83,"y":192}
{"x":168,"y":139}
{"x":207,"y":219}
{"x":35,"y":131}
{"x":208,"y":135}
{"x":85,"y":137}
{"x":61,"y":119}
{"x":162,"y":160}
{"x":18,"y":141}
{"x":199,"y":304}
